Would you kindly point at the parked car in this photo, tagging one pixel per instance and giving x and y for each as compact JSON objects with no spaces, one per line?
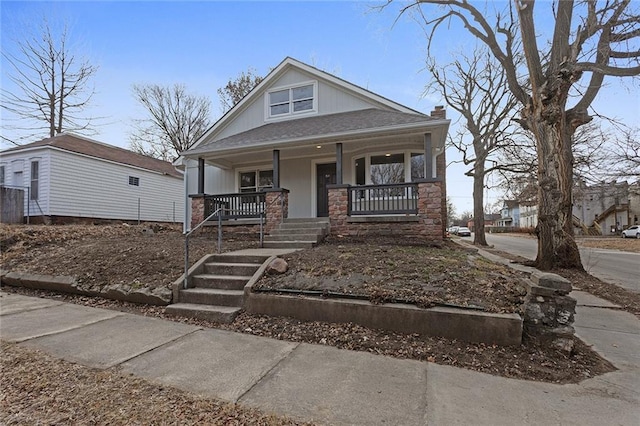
{"x":454,"y":229}
{"x":463,"y":231}
{"x":632,"y":232}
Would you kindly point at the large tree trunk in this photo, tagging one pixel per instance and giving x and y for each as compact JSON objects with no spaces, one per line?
{"x":478,"y":204}
{"x":556,"y":245}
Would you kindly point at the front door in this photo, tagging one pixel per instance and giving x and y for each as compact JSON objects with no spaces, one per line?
{"x":325,"y":175}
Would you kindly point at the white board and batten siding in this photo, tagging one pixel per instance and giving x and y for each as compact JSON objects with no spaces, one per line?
{"x":330,"y":100}
{"x":84,"y":186}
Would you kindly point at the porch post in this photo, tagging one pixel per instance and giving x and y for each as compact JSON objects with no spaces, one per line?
{"x":276,"y":168}
{"x":339,"y":164}
{"x":428,"y":157}
{"x":200,"y":175}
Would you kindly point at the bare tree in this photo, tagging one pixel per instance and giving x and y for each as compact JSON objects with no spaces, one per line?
{"x":51,"y":86}
{"x":590,"y":40}
{"x":451,"y":212}
{"x":235,"y":90}
{"x":475,"y":86}
{"x":625,"y":153}
{"x":176,"y":120}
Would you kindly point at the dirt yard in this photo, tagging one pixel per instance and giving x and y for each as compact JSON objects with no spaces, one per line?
{"x":105,"y":255}
{"x":383,"y":271}
{"x":618,"y":243}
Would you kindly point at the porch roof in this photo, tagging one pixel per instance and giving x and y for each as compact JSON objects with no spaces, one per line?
{"x":331,"y":126}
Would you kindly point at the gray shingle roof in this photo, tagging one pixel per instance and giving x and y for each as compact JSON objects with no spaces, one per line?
{"x":316,"y":126}
{"x":80,"y":145}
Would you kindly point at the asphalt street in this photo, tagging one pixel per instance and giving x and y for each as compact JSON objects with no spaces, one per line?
{"x":618,"y":267}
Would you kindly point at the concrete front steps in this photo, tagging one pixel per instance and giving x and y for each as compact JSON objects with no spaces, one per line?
{"x":298,"y":233}
{"x":216,"y":287}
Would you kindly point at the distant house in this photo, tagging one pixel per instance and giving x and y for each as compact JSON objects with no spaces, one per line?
{"x":509,"y":215}
{"x":306,"y":144}
{"x":606,"y":208}
{"x":71,"y":178}
{"x":528,"y":214}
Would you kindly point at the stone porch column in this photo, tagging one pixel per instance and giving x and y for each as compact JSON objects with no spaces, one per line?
{"x":197,"y":209}
{"x":430,"y":209}
{"x":276,"y":208}
{"x":338,"y":208}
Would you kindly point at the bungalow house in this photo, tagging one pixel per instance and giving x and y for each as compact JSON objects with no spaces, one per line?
{"x":69,"y":178}
{"x":307,"y":145}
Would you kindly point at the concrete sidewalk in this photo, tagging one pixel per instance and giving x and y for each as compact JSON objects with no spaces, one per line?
{"x":328,"y":385}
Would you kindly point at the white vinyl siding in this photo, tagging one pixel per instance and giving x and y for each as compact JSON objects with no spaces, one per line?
{"x":88,"y":187}
{"x":18,"y":174}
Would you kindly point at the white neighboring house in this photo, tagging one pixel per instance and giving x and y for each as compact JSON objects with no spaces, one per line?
{"x":69,"y":177}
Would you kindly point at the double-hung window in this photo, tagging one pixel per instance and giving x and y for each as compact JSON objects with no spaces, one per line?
{"x":255,"y":181}
{"x":292,"y":100}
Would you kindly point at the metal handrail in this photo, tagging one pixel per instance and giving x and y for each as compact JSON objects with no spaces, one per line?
{"x":208,"y":218}
{"x":186,"y":242}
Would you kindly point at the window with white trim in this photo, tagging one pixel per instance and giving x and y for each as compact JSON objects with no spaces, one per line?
{"x":256,"y":180}
{"x":1,"y":175}
{"x":35,"y":173}
{"x":292,"y":100}
{"x":389,"y":168}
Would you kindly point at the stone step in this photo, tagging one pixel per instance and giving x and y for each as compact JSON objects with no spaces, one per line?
{"x":307,"y":220}
{"x":223,"y":282}
{"x":298,"y":225}
{"x":211,"y":296}
{"x":223,"y":268}
{"x":295,"y":237}
{"x":220,"y":314}
{"x":238,"y":258}
{"x":289,"y":244}
{"x":292,"y":231}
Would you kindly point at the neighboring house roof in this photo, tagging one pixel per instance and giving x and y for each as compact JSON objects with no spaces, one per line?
{"x":81,"y":145}
{"x":315,"y":127}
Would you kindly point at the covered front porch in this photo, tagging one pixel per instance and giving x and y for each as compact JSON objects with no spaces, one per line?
{"x":379,"y":181}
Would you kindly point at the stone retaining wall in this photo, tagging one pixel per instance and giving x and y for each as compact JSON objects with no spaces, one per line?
{"x":65,"y":284}
{"x":549,"y":310}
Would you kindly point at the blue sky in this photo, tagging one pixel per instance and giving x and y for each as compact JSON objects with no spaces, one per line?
{"x":204,"y":44}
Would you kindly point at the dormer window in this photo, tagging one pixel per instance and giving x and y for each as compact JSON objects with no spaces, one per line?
{"x":292,"y":100}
